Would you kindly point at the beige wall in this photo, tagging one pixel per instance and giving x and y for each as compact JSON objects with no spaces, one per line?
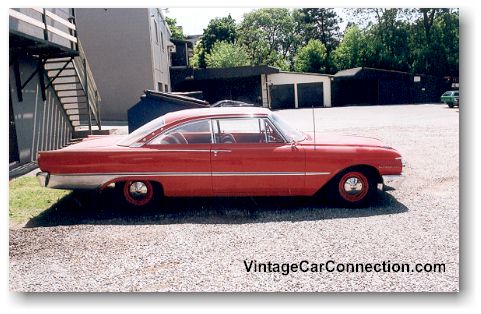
{"x":160,"y":50}
{"x":123,"y":54}
{"x":296,"y":78}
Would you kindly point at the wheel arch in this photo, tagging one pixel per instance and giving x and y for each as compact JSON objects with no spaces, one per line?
{"x":158,"y":187}
{"x":372,"y":171}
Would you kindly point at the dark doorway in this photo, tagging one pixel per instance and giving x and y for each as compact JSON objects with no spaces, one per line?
{"x":282,"y":96}
{"x":13,"y":146}
{"x":310,"y":95}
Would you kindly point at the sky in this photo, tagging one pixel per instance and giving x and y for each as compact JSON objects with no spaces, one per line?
{"x":194,"y":20}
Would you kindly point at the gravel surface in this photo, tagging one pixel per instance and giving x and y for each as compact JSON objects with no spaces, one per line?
{"x":85,"y":244}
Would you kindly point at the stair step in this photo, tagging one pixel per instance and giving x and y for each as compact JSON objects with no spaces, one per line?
{"x":73,"y":86}
{"x":69,"y":90}
{"x":57,"y":60}
{"x":80,"y":111}
{"x":75,"y":106}
{"x":60,"y":68}
{"x":69,"y":75}
{"x":65,"y":83}
{"x":74,"y":96}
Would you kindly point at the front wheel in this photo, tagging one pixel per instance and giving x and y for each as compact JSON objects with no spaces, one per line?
{"x":355,"y":188}
{"x":138,"y":193}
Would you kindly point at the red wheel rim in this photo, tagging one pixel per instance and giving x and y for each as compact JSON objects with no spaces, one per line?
{"x":353,"y":186}
{"x":138,"y":193}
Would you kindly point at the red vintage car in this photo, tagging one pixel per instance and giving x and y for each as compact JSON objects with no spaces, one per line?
{"x":238,"y":151}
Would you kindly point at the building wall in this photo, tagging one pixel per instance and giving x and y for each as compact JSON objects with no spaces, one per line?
{"x":40,"y":125}
{"x":124,"y":61}
{"x":283,"y":78}
{"x":160,"y":50}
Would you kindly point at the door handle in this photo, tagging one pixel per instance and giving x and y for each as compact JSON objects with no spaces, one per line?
{"x":217,"y":151}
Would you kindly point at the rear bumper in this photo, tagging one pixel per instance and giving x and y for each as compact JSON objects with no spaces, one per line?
{"x":43,"y":178}
{"x":393,"y":181}
{"x":73,"y":181}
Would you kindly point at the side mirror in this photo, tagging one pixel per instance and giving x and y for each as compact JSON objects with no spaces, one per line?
{"x":293,"y":144}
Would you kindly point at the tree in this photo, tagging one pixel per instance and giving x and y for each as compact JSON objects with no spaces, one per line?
{"x":434,"y":42}
{"x":351,"y":52}
{"x":225,"y":54}
{"x":311,"y":58}
{"x":269,"y":36}
{"x":176,"y":31}
{"x":218,"y":29}
{"x":321,"y":24}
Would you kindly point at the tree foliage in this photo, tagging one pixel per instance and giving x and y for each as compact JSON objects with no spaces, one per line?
{"x":175,"y":30}
{"x":351,"y":52}
{"x":218,"y":29}
{"x":268,"y":35}
{"x":311,"y":57}
{"x":416,"y":40}
{"x":224,"y":54}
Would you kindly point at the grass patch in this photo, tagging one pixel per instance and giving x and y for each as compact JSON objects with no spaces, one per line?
{"x":28,"y":199}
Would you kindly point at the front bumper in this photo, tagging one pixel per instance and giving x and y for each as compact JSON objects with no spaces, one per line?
{"x":393,"y":181}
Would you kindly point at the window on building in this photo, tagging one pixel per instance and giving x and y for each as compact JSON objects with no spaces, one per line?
{"x":166,"y":87}
{"x":159,"y":86}
{"x":162,"y":41}
{"x":156,"y":27}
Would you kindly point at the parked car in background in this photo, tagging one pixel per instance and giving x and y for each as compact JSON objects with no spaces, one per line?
{"x":232,"y":151}
{"x":451,"y":98}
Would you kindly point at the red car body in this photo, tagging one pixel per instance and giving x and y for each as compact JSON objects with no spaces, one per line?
{"x":210,"y":162}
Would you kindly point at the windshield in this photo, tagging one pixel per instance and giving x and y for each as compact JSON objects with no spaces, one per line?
{"x":138,"y":134}
{"x":288,"y":131}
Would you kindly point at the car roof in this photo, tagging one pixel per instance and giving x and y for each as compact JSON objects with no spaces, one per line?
{"x":214,"y":112}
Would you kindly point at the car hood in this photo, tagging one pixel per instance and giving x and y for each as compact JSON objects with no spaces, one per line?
{"x":96,"y":141}
{"x":342,"y":140}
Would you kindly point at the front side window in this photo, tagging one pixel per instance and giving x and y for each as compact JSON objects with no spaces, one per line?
{"x":197,"y":132}
{"x":243,"y":131}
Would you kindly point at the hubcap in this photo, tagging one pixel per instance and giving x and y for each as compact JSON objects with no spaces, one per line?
{"x":138,"y":189}
{"x":353,"y":186}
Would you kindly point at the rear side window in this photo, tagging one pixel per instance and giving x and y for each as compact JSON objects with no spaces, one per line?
{"x":197,"y":132}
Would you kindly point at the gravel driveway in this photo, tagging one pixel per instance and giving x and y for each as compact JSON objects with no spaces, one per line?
{"x":86,"y":244}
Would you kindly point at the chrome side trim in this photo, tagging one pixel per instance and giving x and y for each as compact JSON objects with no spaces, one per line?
{"x":95,"y":180}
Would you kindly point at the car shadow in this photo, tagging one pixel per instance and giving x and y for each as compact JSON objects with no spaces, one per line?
{"x":92,"y":208}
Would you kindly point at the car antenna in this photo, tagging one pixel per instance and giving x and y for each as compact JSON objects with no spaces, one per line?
{"x":314,"y":125}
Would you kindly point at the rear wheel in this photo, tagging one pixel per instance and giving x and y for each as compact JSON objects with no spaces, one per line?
{"x":355,"y":188}
{"x":138,"y":193}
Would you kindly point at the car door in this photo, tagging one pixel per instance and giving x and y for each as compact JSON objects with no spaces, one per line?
{"x":181,"y":157}
{"x":249,"y":157}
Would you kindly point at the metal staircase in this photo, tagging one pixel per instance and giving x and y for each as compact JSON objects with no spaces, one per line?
{"x":75,"y":87}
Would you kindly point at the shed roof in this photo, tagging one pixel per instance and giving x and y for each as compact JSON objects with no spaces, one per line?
{"x":234,"y":72}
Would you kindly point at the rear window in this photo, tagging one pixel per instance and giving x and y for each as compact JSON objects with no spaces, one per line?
{"x":138,"y":134}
